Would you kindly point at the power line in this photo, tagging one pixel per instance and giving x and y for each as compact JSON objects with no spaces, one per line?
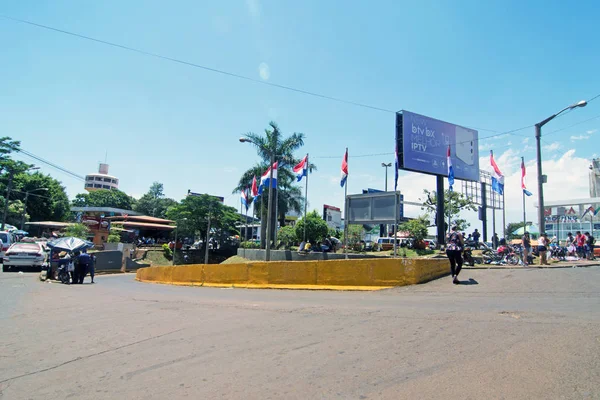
{"x":58,"y":167}
{"x":230,"y":74}
{"x":575,"y":124}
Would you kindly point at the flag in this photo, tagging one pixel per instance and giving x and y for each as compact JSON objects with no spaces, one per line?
{"x":254,"y":187}
{"x":450,"y":171}
{"x":397,"y":165}
{"x":344,"y":169}
{"x":244,"y":199}
{"x":597,"y":211}
{"x":523,"y":173}
{"x":497,"y":177}
{"x":301,"y":169}
{"x":264,"y":179}
{"x":590,"y":209}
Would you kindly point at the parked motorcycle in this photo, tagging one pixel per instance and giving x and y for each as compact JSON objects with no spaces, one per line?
{"x":468,"y":257}
{"x":504,"y":255}
{"x":63,"y":274}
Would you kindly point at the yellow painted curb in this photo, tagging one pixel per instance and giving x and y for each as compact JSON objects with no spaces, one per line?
{"x":356,"y":274}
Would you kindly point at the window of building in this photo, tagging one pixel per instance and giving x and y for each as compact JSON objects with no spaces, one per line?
{"x":89,"y":185}
{"x":105,"y":187}
{"x":107,"y":180}
{"x":98,"y":178}
{"x":97,"y":186}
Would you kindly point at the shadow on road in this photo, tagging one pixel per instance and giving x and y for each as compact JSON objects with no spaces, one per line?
{"x":471,"y":281}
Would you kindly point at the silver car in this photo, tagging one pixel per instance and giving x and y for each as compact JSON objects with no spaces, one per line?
{"x":21,"y":256}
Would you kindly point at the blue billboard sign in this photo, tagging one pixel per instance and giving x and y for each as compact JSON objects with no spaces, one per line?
{"x":423,"y":144}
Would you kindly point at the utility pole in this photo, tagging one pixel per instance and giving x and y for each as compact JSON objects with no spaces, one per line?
{"x":11,"y":174}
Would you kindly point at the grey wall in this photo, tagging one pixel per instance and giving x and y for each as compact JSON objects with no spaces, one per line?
{"x":288,"y":255}
{"x":109,"y":260}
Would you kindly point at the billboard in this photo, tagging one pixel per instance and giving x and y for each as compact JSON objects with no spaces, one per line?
{"x":332,"y":216}
{"x":374,"y":208}
{"x":423,"y":143}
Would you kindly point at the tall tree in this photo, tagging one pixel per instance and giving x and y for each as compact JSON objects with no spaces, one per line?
{"x":51,"y":204}
{"x":454,"y":203}
{"x":191,"y":215}
{"x":104,"y":198}
{"x":154,"y":202}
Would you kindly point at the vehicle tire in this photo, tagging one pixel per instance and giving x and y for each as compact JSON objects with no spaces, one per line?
{"x":4,"y":268}
{"x":512,"y":259}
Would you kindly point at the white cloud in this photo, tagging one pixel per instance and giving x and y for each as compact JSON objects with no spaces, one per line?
{"x":591,"y":131}
{"x":552,"y":146}
{"x":580,"y":137}
{"x":525,"y":141}
{"x":253,"y":8}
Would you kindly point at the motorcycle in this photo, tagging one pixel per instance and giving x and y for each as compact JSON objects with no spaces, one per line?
{"x":558,"y":252}
{"x":504,"y":255}
{"x":63,"y":274}
{"x":468,"y":257}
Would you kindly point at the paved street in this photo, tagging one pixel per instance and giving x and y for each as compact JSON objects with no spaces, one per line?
{"x":510,"y":334}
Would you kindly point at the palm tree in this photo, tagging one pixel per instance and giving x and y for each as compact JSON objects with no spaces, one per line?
{"x":273,"y":145}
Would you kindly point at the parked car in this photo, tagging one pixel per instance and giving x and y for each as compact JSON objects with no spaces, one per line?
{"x":7,"y":240}
{"x":430,"y":244}
{"x":22,"y":256}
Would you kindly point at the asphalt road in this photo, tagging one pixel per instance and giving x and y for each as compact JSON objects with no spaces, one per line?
{"x":510,"y":334}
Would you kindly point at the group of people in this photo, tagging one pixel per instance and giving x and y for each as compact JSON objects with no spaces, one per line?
{"x":581,"y":245}
{"x":78,"y":265}
{"x":328,"y":244}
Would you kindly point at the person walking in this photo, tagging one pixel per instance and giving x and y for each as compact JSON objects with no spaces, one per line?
{"x":526,"y":243}
{"x":495,"y":241}
{"x":543,"y":249}
{"x":589,"y":246}
{"x":580,"y":243}
{"x":454,"y":252}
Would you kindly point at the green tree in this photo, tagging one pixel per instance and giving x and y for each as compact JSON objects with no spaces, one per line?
{"x":51,"y":204}
{"x":272,"y":145}
{"x":154,"y":203}
{"x":316,"y":228}
{"x":287,"y":236}
{"x":77,"y":230}
{"x":513,"y":226}
{"x":355,"y":235}
{"x":104,"y":198}
{"x":454,"y":203}
{"x":417,"y":228}
{"x":191,"y":216}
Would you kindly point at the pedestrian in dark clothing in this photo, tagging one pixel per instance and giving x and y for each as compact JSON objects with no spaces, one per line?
{"x":92,"y":269}
{"x":77,"y":268}
{"x":84,"y":261}
{"x":454,"y":252}
{"x":476,"y":236}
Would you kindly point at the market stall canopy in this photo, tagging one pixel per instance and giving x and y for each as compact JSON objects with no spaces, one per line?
{"x":70,"y":244}
{"x":533,"y":229}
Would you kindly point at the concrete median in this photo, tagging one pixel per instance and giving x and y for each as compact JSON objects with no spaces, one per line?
{"x":365,"y":274}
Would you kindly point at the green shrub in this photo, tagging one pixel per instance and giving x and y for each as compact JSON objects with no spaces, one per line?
{"x":167,"y":251}
{"x":114,"y":238}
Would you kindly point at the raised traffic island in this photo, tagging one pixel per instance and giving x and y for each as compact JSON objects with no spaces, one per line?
{"x":357,"y":274}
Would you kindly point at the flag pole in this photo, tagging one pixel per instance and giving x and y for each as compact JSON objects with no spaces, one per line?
{"x":503,"y":217}
{"x":346,"y":215}
{"x":493,"y":216}
{"x":306,"y":196}
{"x":523,"y":193}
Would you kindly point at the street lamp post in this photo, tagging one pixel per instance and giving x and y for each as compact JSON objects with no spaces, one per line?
{"x":269,"y":202}
{"x":386,"y":166}
{"x":175,"y":242}
{"x":538,"y":138}
{"x":25,"y":205}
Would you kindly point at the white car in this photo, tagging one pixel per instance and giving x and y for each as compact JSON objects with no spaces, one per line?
{"x":7,"y":240}
{"x":22,"y":256}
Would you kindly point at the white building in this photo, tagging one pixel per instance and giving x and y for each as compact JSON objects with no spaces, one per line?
{"x":101,"y":180}
{"x":595,"y":178}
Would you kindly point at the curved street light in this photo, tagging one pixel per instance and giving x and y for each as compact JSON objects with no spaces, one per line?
{"x":538,"y":137}
{"x":386,"y":166}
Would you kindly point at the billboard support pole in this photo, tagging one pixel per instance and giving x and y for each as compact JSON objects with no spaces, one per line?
{"x":503,"y":217}
{"x":484,"y":211}
{"x":441,"y":237}
{"x":395,"y":223}
{"x":346,"y":220}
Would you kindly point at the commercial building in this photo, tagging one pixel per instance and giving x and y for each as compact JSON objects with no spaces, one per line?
{"x":102,"y":180}
{"x":566,"y":216}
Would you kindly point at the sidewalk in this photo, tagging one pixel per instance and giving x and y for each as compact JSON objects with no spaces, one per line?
{"x":553,"y":264}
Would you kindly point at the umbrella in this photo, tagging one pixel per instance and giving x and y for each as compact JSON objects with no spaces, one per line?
{"x":69,"y":244}
{"x":20,"y":232}
{"x":531,"y":229}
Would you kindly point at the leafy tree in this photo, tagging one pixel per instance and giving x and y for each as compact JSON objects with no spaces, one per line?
{"x":191,"y":216}
{"x":104,"y":198}
{"x":417,"y":228}
{"x":287,"y":236}
{"x":114,"y":237}
{"x":77,"y":230}
{"x":42,"y":205}
{"x":454,"y":203}
{"x":513,"y":226}
{"x":15,"y":212}
{"x":316,"y":228}
{"x":7,"y":146}
{"x":154,"y":202}
{"x":335,"y":233}
{"x":355,"y":234}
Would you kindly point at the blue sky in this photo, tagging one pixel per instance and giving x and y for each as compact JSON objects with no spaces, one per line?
{"x":491,"y":65}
